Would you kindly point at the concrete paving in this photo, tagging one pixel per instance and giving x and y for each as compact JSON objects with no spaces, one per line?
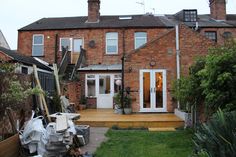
{"x":97,"y":136}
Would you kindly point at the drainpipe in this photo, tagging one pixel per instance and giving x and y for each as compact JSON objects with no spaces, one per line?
{"x":123,"y":65}
{"x":56,"y":48}
{"x":177,"y":55}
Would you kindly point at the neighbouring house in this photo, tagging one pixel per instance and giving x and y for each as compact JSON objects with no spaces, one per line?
{"x":3,"y":41}
{"x":156,"y":50}
{"x":24,"y":65}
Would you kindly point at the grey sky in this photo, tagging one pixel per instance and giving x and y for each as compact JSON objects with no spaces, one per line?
{"x":15,"y":14}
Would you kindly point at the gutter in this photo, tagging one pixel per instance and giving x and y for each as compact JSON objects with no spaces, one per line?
{"x":177,"y":55}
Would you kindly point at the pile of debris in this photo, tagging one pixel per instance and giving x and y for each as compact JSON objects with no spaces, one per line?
{"x":59,"y":138}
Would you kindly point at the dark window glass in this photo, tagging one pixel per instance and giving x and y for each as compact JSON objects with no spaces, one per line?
{"x":211,"y":35}
{"x":24,"y":70}
{"x":190,"y":15}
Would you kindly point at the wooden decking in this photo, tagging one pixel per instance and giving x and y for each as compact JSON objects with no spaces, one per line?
{"x":107,"y":118}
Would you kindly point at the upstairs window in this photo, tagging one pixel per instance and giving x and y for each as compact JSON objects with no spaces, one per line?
{"x":112,"y":43}
{"x":190,"y":15}
{"x":38,"y":45}
{"x":72,"y":44}
{"x":211,"y":35}
{"x":66,"y":42}
{"x":140,"y":39}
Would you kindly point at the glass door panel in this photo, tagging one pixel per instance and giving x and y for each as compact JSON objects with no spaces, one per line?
{"x":158,"y":88}
{"x":104,"y":84}
{"x":146,"y":90}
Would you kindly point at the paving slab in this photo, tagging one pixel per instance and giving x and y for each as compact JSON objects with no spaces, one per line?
{"x":97,"y":136}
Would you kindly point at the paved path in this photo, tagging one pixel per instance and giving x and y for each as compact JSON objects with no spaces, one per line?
{"x":97,"y":136}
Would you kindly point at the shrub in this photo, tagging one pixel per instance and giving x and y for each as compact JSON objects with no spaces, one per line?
{"x":217,"y":138}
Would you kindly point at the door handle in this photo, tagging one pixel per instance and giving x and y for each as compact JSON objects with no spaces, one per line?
{"x":150,"y":90}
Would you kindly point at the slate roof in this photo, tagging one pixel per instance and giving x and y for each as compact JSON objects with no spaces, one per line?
{"x":24,"y":59}
{"x":140,"y":21}
{"x":137,"y":21}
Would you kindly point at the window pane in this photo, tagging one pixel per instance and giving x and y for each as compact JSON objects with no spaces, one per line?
{"x":112,"y":42}
{"x":140,"y":34}
{"x":139,"y":42}
{"x":76,"y":45}
{"x":65,"y":43}
{"x":90,"y":76}
{"x":211,"y":35}
{"x":38,"y":39}
{"x":91,"y":87}
{"x":113,"y":35}
{"x":104,"y":85}
{"x":140,"y":39}
{"x":37,"y":50}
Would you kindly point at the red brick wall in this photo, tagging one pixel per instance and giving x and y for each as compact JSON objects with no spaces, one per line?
{"x":220,"y":39}
{"x":163,"y":52}
{"x":4,"y":57}
{"x":218,"y":9}
{"x":94,"y":55}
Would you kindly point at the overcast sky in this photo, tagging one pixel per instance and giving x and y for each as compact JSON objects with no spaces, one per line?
{"x":15,"y":14}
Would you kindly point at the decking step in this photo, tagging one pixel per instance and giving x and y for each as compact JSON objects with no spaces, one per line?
{"x":161,"y":129}
{"x":107,"y":118}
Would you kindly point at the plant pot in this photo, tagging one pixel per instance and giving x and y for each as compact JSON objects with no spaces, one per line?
{"x":187,"y":117}
{"x":82,"y":107}
{"x":127,"y":110}
{"x":118,"y":111}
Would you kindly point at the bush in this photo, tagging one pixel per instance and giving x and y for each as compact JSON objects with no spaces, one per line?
{"x":217,"y":138}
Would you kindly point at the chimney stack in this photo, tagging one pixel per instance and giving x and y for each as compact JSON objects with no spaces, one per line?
{"x":93,"y":11}
{"x":218,"y":9}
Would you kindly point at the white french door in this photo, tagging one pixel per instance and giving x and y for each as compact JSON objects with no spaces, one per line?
{"x":153,"y":97}
{"x":105,"y":88}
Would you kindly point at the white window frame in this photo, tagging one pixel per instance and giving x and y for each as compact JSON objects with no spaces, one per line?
{"x":86,"y":85}
{"x":71,"y":43}
{"x":135,"y":39}
{"x":33,"y":44}
{"x":117,"y":46}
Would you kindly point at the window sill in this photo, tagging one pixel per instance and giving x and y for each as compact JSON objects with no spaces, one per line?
{"x":37,"y":56}
{"x":111,"y":54}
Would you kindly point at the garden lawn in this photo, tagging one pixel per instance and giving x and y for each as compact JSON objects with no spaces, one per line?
{"x":141,"y":143}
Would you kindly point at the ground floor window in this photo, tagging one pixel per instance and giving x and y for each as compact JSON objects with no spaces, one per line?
{"x":91,"y":82}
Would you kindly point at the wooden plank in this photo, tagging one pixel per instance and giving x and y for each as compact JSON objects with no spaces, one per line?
{"x":41,"y":96}
{"x":107,"y":118}
{"x":55,"y":71}
{"x":161,"y":129}
{"x":11,"y":118}
{"x":10,"y":147}
{"x":61,"y":123}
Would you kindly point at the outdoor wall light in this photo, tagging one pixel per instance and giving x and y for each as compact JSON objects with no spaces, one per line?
{"x":130,"y":69}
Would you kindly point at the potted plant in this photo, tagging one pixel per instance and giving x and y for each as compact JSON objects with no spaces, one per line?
{"x":117,"y":103}
{"x":127,"y":104}
{"x":83,"y":103}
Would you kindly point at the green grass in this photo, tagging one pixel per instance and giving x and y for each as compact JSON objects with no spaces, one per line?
{"x":139,"y":143}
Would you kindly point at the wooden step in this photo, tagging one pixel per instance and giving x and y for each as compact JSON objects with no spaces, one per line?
{"x":107,"y":118}
{"x":161,"y":129}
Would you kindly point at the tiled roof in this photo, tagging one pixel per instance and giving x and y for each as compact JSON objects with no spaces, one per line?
{"x":129,"y":21}
{"x":24,"y":59}
{"x":105,"y":22}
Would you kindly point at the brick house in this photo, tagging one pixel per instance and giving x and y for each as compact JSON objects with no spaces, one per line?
{"x":156,"y":50}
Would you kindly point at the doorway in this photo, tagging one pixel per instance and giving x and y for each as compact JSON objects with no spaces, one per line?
{"x":153,"y":97}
